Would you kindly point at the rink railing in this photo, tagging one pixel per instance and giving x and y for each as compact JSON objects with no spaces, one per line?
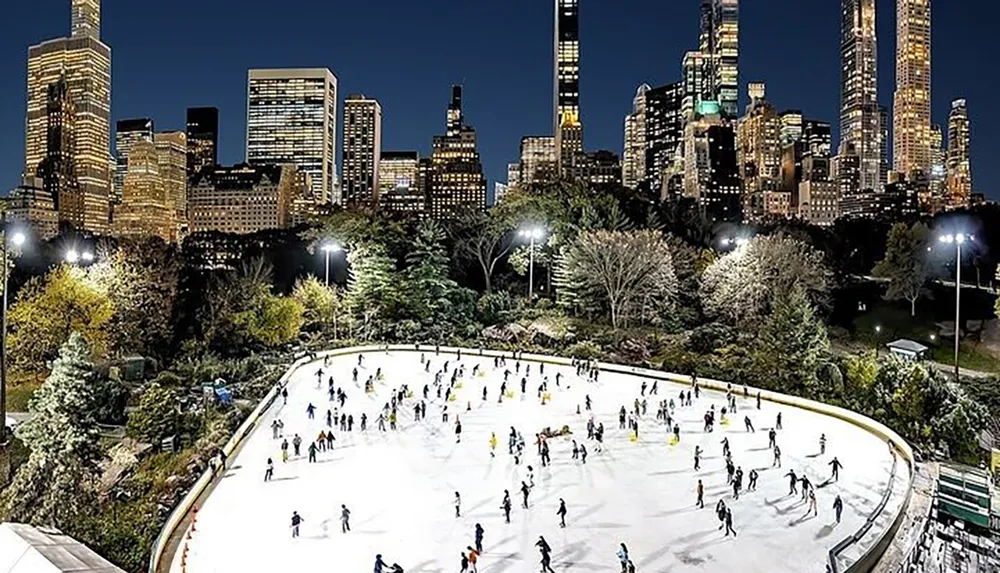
{"x":863,"y":564}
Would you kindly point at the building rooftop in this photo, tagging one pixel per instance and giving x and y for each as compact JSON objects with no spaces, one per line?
{"x":27,"y":549}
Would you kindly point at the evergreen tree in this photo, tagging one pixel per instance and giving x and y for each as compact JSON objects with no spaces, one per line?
{"x":155,"y":418}
{"x":57,"y":481}
{"x":791,"y":345}
{"x":372,"y":284}
{"x":429,"y":288}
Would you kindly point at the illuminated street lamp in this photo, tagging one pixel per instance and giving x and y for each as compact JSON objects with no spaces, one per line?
{"x":734,"y":241}
{"x":957,"y":239}
{"x":532,"y":234}
{"x":328,"y":249}
{"x":73,"y":257}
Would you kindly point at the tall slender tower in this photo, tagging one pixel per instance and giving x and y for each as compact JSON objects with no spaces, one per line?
{"x":634,"y":156}
{"x":859,"y":113}
{"x":202,"y":139}
{"x":568,"y":128}
{"x":959,"y":159}
{"x":362,"y":150}
{"x":84,"y":61}
{"x":911,"y":142}
{"x":720,"y":47}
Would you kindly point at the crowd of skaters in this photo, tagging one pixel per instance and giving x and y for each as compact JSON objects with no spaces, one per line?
{"x":588,"y":371}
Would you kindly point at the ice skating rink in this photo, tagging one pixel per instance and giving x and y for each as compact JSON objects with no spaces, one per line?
{"x":400,"y":486}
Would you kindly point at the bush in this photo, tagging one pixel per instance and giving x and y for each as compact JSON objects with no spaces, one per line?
{"x":110,"y":397}
{"x":156,"y":417}
{"x":495,"y":308}
{"x":584,"y":350}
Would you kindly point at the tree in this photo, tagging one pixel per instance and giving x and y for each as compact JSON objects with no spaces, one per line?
{"x":48,"y":309}
{"x":156,"y":416}
{"x":905,"y":265}
{"x":373,"y":285}
{"x":743,"y":285}
{"x":271,"y":320}
{"x":56,"y":483}
{"x":320,"y":304}
{"x":229,"y":303}
{"x":485,"y":238}
{"x":626,"y":274}
{"x":791,"y":345}
{"x":428,"y":285}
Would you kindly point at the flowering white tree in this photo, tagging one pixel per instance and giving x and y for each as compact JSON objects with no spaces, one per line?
{"x":743,"y":285}
{"x":624,"y":274}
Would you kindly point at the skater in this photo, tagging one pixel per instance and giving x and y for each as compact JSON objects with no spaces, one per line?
{"x":777,"y":457}
{"x":296,"y":443}
{"x":284,"y":450}
{"x":269,"y":472}
{"x":599,"y":436}
{"x":275,"y":428}
{"x":505,"y":505}
{"x":725,"y":447}
{"x":654,"y":390}
{"x":758,"y":399}
{"x":697,"y":458}
{"x":381,"y":422}
{"x":561,"y":512}
{"x":364,"y":422}
{"x":546,"y":551}
{"x":379,"y":564}
{"x":748,"y":424}
{"x":464,"y":563}
{"x":623,"y":556}
{"x":753,"y":480}
{"x":525,"y":490}
{"x":642,"y":390}
{"x":729,"y":522}
{"x":458,"y":430}
{"x":576,"y":451}
{"x":772,"y":438}
{"x":822,"y":444}
{"x":345,"y":519}
{"x":458,"y":505}
{"x":838,"y":507}
{"x":812,"y":504}
{"x":778,"y":422}
{"x":311,"y":411}
{"x":493,"y":444}
{"x":473,"y":558}
{"x":587,"y":402}
{"x":296,"y":521}
{"x":531,"y":477}
{"x":546,"y":459}
{"x":479,"y":538}
{"x":793,"y":482}
{"x":835,"y":465}
{"x":583,"y":453}
{"x":312,"y":453}
{"x":701,"y":496}
{"x":806,"y":486}
{"x":720,"y":512}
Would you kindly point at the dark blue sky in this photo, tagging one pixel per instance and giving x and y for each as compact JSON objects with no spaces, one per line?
{"x":169,"y":55}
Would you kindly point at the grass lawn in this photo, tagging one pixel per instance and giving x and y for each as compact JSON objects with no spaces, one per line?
{"x":970,"y":356}
{"x":19,"y":394}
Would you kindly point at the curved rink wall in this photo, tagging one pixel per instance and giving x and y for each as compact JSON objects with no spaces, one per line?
{"x":858,"y":552}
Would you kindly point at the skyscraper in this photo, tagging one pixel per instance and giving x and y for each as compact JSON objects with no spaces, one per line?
{"x":759,"y":152}
{"x":292,"y":119}
{"x":912,"y":102}
{"x":634,"y":149}
{"x":791,"y":127}
{"x":146,"y":209}
{"x":58,"y":169}
{"x":664,"y":135}
{"x":455,"y":176}
{"x":400,"y":187}
{"x":538,"y":158}
{"x":695,"y":82}
{"x":959,"y":159}
{"x":362,"y":148}
{"x":720,"y":48}
{"x":171,"y":157}
{"x":85,"y":63}
{"x":711,"y":174}
{"x":883,"y":146}
{"x":202,"y":139}
{"x":568,"y":129}
{"x":859,"y":114}
{"x":939,"y":166}
{"x":127,"y":132}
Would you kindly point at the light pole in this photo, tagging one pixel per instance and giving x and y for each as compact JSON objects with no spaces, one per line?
{"x":73,"y":257}
{"x":734,"y":241}
{"x":329,"y":248}
{"x":532,"y":234}
{"x":878,"y":331}
{"x":958,"y":239}
{"x":17,"y":239}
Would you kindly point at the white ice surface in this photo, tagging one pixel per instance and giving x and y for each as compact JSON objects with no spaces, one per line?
{"x":400,"y":485}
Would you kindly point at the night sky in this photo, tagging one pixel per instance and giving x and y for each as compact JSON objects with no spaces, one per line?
{"x":172,"y":54}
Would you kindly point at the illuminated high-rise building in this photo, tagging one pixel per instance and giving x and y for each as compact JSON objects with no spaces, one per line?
{"x":127,"y":132}
{"x":720,"y":48}
{"x":664,"y":135}
{"x":959,"y":159}
{"x":939,"y":165}
{"x":568,"y":128}
{"x":634,"y":156}
{"x":146,"y":209}
{"x":362,"y":148}
{"x":85,"y":64}
{"x":791,"y":127}
{"x":58,"y":169}
{"x":883,"y":145}
{"x":911,"y":143}
{"x":401,"y":189}
{"x":171,"y":155}
{"x":292,"y":119}
{"x":758,"y":152}
{"x":202,"y":139}
{"x":242,"y":199}
{"x":455,"y":177}
{"x":695,"y":83}
{"x":859,"y":113}
{"x":538,"y":158}
{"x":711,"y":174}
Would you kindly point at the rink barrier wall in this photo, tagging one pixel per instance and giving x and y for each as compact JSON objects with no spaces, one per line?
{"x":862,"y":565}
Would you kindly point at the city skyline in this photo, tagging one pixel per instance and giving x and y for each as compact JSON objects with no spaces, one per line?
{"x":501,"y":120}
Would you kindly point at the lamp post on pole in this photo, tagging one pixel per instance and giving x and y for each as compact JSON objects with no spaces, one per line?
{"x":532,"y":234}
{"x":17,"y":239}
{"x":329,"y":248}
{"x":958,"y":239}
